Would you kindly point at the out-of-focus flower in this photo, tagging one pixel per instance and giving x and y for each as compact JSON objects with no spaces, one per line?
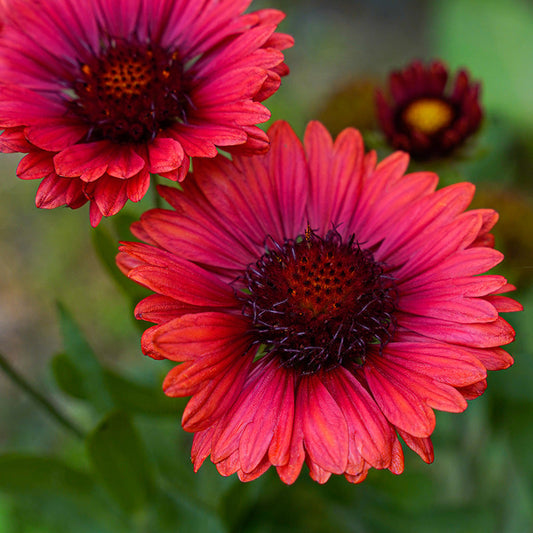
{"x":423,"y":116}
{"x":103,"y":93}
{"x":352,"y":104}
{"x":320,"y":306}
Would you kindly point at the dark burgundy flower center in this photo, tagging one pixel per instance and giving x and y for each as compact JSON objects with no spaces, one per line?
{"x":427,"y":115}
{"x":130,"y":92}
{"x":318,"y":302}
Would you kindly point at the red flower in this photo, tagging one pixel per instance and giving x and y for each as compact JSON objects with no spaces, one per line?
{"x":102,"y":93}
{"x":320,"y":306}
{"x":422,"y":117}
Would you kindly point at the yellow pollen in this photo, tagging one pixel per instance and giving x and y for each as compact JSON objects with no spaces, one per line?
{"x":428,"y":115}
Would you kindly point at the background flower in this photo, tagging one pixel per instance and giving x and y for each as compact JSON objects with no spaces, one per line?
{"x":425,"y":117}
{"x":321,"y":306}
{"x":101,"y":94}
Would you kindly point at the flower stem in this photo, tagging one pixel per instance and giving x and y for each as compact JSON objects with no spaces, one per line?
{"x":39,"y":398}
{"x":157,"y":198}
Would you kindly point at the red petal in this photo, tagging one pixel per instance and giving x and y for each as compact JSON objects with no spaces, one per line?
{"x":165,"y":155}
{"x":14,"y":140}
{"x":214,"y":399}
{"x":109,"y":194}
{"x":497,"y":333}
{"x":54,"y":192}
{"x":399,"y":404}
{"x":193,"y":336}
{"x":423,"y":447}
{"x":138,"y":185}
{"x":448,"y":364}
{"x":182,"y":280}
{"x":369,"y":431}
{"x":201,"y":447}
{"x":258,"y":435}
{"x":36,"y":165}
{"x":324,"y":426}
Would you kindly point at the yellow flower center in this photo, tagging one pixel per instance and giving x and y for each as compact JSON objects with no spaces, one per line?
{"x":428,"y":115}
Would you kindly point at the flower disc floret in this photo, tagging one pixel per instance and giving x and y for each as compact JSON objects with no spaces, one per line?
{"x":130,"y":93}
{"x":318,"y":303}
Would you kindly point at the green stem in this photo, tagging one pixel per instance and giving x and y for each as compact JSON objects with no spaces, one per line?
{"x":157,"y":198}
{"x":39,"y":398}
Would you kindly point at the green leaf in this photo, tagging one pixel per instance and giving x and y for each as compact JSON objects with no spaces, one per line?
{"x":182,"y":514}
{"x":67,"y":376}
{"x":22,"y":473}
{"x":119,"y":459}
{"x":53,"y":482}
{"x":126,"y":394}
{"x":81,"y":357}
{"x":136,"y":398}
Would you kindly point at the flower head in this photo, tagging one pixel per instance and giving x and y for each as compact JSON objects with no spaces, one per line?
{"x":422,"y":116}
{"x":320,"y":306}
{"x":101,"y":94}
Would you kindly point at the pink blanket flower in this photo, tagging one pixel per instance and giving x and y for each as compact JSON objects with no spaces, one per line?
{"x":320,"y":306}
{"x":102,"y":93}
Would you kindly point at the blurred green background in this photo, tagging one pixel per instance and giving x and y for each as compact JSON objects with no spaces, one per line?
{"x":134,"y":473}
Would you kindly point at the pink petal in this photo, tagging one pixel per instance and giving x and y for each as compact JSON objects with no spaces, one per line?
{"x":158,"y":308}
{"x":138,"y":185}
{"x":449,"y":364}
{"x":286,"y":158}
{"x":182,"y":280}
{"x":358,"y":478}
{"x":36,"y":165}
{"x":165,"y":155}
{"x":125,"y":162}
{"x":14,"y":140}
{"x":249,"y":425}
{"x":497,"y":333}
{"x":192,"y":336}
{"x":257,"y":436}
{"x":56,"y":135}
{"x":95,"y":215}
{"x":109,"y":194}
{"x":368,"y":429}
{"x":54,"y":192}
{"x":452,"y":308}
{"x":259,"y":470}
{"x":399,"y":404}
{"x":492,"y":358}
{"x":397,"y":463}
{"x":201,"y":447}
{"x":89,"y":161}
{"x":290,"y":471}
{"x":317,"y":473}
{"x":504,"y":304}
{"x":214,"y":399}
{"x":473,"y":391}
{"x":324,"y":426}
{"x":423,"y":447}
